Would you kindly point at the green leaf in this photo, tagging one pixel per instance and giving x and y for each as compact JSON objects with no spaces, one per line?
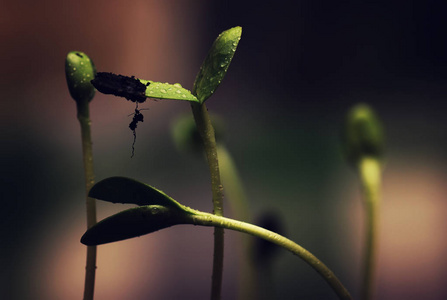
{"x":216,"y":64}
{"x":133,"y":222}
{"x":168,"y":91}
{"x":126,"y":190}
{"x":79,"y":70}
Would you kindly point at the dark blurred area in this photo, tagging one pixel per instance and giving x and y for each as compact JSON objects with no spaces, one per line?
{"x":299,"y":66}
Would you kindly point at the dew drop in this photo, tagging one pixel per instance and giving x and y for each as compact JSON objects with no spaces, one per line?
{"x":163,"y":91}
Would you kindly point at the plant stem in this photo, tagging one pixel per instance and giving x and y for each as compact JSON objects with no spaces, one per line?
{"x":234,"y":191}
{"x":237,"y":200}
{"x":206,"y":131}
{"x":369,"y":169}
{"x":90,"y":269}
{"x":206,"y":219}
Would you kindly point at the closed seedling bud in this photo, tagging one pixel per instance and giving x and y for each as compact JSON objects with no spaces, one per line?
{"x":363,"y":135}
{"x":79,"y":71}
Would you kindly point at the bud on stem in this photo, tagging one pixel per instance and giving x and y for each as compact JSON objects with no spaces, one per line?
{"x":363,"y":135}
{"x":79,"y":71}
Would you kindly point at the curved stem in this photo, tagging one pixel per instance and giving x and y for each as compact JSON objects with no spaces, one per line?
{"x":370,"y":170}
{"x":90,"y":269}
{"x":206,"y":131}
{"x":206,"y":219}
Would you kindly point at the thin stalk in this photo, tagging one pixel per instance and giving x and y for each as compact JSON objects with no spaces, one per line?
{"x":234,"y":190}
{"x":90,"y":269}
{"x":206,"y":131}
{"x":206,"y":219}
{"x":370,"y":170}
{"x":238,"y":203}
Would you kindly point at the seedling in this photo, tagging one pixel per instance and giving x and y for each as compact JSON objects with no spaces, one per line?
{"x":364,"y":146}
{"x":157,"y":211}
{"x":79,"y":71}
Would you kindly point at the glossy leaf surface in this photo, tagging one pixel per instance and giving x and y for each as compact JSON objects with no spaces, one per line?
{"x":216,"y":64}
{"x":168,"y":91}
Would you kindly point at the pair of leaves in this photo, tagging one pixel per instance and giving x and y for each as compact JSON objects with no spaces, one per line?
{"x":156,"y":211}
{"x":208,"y":79}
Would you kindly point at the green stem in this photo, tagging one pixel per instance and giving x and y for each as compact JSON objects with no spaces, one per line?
{"x":206,"y":131}
{"x":206,"y":219}
{"x":370,"y":170}
{"x":238,"y":203}
{"x":234,"y":191}
{"x":84,"y":120}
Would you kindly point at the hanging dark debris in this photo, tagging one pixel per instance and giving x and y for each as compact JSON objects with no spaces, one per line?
{"x":123,"y":86}
{"x":137,"y":117}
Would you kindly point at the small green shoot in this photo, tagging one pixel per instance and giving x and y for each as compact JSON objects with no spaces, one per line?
{"x":364,"y":146}
{"x":79,"y":70}
{"x":163,"y":212}
{"x":211,"y":73}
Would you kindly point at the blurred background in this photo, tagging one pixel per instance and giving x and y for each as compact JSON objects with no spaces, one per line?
{"x":299,"y":67}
